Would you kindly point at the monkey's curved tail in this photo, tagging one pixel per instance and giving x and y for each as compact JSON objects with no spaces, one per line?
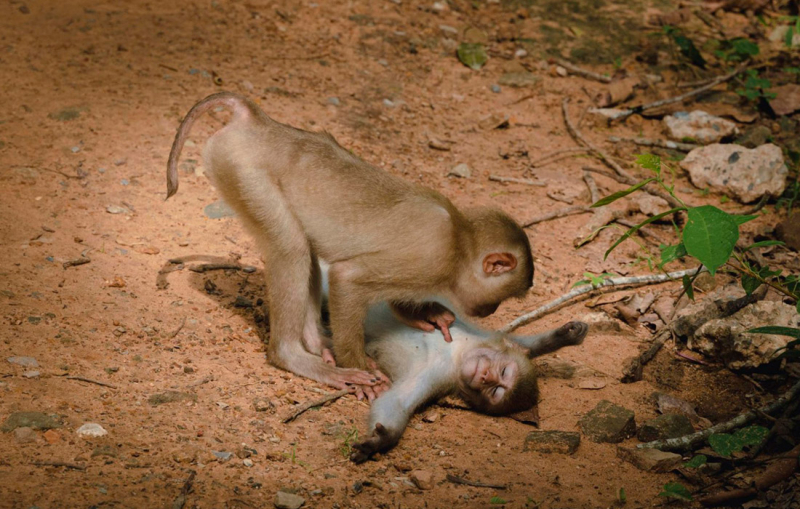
{"x":238,"y":103}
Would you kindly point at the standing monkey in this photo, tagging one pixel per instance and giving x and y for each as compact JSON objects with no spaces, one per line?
{"x":303,"y":198}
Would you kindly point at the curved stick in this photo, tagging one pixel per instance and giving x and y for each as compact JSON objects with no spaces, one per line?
{"x":614,"y":281}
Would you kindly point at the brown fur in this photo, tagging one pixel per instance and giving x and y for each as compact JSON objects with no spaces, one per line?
{"x":304,"y":197}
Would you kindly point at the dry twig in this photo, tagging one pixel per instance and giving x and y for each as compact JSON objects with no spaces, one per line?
{"x":90,"y":381}
{"x":580,"y":290}
{"x":688,"y":442}
{"x":180,"y":500}
{"x":311,"y":404}
{"x":178,"y":330}
{"x":477,"y":484}
{"x":73,"y":466}
{"x":556,"y":155}
{"x":646,"y":142}
{"x":497,"y":178}
{"x":74,"y":263}
{"x":574,"y":69}
{"x":566,"y":211}
{"x":205,"y":267}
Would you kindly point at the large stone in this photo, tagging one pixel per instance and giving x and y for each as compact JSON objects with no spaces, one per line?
{"x":723,"y":300}
{"x":562,"y":442}
{"x":608,"y":422}
{"x":422,"y":479}
{"x":788,"y":231}
{"x":286,"y":500}
{"x":698,"y":126}
{"x":665,"y":426}
{"x":650,"y":460}
{"x":746,"y":174}
{"x":33,"y":420}
{"x":727,"y":338}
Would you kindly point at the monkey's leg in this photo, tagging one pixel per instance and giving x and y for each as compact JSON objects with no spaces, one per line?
{"x":347,"y":304}
{"x":312,"y":334}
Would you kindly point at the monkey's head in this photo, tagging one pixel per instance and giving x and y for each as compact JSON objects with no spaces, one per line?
{"x":498,"y":378}
{"x":501,"y":265}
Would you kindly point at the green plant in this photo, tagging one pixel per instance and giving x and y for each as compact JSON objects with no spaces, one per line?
{"x":349,"y":437}
{"x":793,"y":29}
{"x":737,"y":50}
{"x":677,"y":491}
{"x":696,"y":462}
{"x":726,"y":444}
{"x":755,"y":87}
{"x":792,"y":348}
{"x":497,"y":501}
{"x":594,"y":280}
{"x":685,"y":46}
{"x":709,"y":235}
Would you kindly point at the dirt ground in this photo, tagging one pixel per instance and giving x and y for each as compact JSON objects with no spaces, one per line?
{"x":93,"y":92}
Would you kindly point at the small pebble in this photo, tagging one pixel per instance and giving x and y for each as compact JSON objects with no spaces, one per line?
{"x":334,"y":101}
{"x":28,"y":362}
{"x":496,"y":88}
{"x":247,"y":462}
{"x":223,"y":456}
{"x":388,"y":103}
{"x":31,"y":374}
{"x":520,"y":53}
{"x":124,"y":182}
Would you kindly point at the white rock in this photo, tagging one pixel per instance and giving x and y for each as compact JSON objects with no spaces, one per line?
{"x":727,"y":338}
{"x":648,"y":204}
{"x":746,"y":174}
{"x":699,"y":126}
{"x":461,"y":170}
{"x":28,"y":362}
{"x":91,"y":429}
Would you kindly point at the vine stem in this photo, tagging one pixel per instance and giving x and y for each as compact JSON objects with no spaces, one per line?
{"x":744,"y":270}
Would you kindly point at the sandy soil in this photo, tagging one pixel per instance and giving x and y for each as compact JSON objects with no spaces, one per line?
{"x":92,"y":94}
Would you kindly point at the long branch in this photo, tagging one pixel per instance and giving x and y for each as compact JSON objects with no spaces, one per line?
{"x":578,"y":291}
{"x":688,"y":442}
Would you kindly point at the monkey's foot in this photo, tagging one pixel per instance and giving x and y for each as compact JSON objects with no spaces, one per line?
{"x":572,"y":333}
{"x":380,"y":440}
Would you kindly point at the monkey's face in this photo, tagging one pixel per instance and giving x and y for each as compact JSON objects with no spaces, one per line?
{"x":487,"y":375}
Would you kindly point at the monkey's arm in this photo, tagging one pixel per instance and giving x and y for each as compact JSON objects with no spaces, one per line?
{"x":571,"y":333}
{"x":426,"y":317}
{"x":391,"y":411}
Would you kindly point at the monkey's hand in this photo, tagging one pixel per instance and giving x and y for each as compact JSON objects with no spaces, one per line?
{"x":426,"y":317}
{"x":380,"y":440}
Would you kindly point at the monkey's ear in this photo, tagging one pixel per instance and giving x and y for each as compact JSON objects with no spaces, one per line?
{"x":495,"y":264}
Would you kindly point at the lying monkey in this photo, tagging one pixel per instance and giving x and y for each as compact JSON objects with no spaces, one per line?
{"x":490,"y":371}
{"x":303,"y":197}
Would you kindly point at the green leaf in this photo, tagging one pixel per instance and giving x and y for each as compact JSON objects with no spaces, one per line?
{"x":689,"y":50}
{"x":724,"y":444}
{"x":676,"y":490}
{"x":672,"y":253}
{"x":621,"y":194}
{"x":581,"y":283}
{"x":473,"y":55}
{"x":745,"y":47}
{"x":497,"y":500}
{"x":638,"y":226}
{"x":696,"y":462}
{"x":687,"y":286}
{"x":789,"y":37}
{"x":764,"y":243}
{"x":710,"y":236}
{"x":751,"y":435}
{"x":740,"y":220}
{"x":750,"y":283}
{"x":778,"y":331}
{"x":621,"y":496}
{"x":649,"y":162}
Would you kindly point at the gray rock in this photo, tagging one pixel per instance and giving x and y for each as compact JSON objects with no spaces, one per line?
{"x":91,"y":429}
{"x":788,"y":231}
{"x":334,"y":101}
{"x":495,"y":88}
{"x":263,"y":405}
{"x":562,"y":442}
{"x":665,"y":426}
{"x":698,"y":126}
{"x":218,"y":210}
{"x":601,"y":322}
{"x":668,"y":404}
{"x":727,"y":338}
{"x":28,"y":362}
{"x":285,"y":500}
{"x":754,"y":136}
{"x":519,"y":79}
{"x":746,"y":174}
{"x":66,"y":114}
{"x":650,"y":460}
{"x":690,"y":318}
{"x":608,"y":422}
{"x":170,"y":397}
{"x":242,"y":302}
{"x":31,"y":374}
{"x":222,"y":456}
{"x":33,"y":420}
{"x":24,"y":435}
{"x":461,"y":170}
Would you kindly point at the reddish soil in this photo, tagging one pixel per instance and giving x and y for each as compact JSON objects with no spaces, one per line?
{"x":93,"y":93}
